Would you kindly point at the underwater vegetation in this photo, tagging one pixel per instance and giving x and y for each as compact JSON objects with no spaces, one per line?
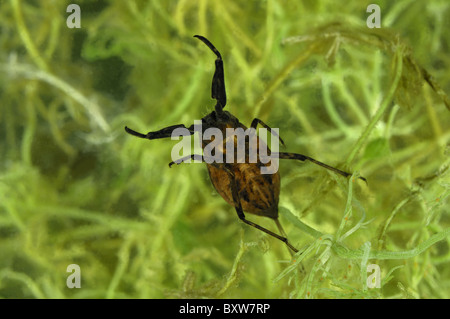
{"x":76,"y":189}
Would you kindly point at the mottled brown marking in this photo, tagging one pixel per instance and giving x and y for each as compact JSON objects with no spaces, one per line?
{"x":258,"y":193}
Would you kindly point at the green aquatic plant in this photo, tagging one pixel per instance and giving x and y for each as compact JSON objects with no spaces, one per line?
{"x":76,"y":189}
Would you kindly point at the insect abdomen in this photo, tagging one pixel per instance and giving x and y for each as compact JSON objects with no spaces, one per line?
{"x":258,"y":193}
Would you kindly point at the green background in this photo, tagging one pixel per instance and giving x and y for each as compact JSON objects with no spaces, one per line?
{"x":76,"y":189}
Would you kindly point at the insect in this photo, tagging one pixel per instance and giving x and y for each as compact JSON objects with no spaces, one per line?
{"x":241,"y":184}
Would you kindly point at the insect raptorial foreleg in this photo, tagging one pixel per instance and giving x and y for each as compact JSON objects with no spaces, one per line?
{"x":218,"y":82}
{"x":163,"y":133}
{"x":241,"y":215}
{"x":300,"y":157}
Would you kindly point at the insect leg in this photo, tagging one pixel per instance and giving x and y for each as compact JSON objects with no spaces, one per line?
{"x":300,"y":157}
{"x":255,"y":123}
{"x":218,"y":83}
{"x":163,"y":133}
{"x":241,"y":215}
{"x":282,"y":232}
{"x":194,"y":157}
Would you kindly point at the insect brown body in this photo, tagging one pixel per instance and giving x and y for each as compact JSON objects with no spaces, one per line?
{"x":240,"y":182}
{"x":258,"y":193}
